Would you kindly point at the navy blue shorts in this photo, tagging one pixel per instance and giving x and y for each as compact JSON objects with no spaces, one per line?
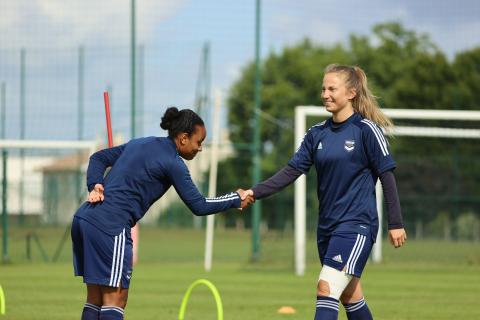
{"x":347,"y":251}
{"x":101,"y":258}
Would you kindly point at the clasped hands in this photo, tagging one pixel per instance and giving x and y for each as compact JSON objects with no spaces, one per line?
{"x":247,"y":198}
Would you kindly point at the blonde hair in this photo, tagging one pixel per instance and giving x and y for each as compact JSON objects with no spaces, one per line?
{"x":364,"y":101}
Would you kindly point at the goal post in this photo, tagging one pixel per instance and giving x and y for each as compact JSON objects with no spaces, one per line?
{"x":300,"y":207}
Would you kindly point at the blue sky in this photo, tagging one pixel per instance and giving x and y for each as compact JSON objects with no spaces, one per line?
{"x":173,"y":33}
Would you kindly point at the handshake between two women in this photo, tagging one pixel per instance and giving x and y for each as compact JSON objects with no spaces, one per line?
{"x":247,"y":198}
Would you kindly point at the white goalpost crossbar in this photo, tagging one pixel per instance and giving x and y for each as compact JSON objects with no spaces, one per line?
{"x":302,"y":112}
{"x":49,"y":144}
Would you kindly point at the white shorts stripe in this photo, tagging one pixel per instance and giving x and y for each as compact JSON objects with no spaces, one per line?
{"x":115,"y":271}
{"x":347,"y":266}
{"x":380,"y":139}
{"x":121,"y":259}
{"x":113,"y":261}
{"x":357,"y":249}
{"x":356,"y":254}
{"x":119,"y":262}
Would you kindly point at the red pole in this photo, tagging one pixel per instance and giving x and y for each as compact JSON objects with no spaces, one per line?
{"x":109,"y":121}
{"x":135,"y":230}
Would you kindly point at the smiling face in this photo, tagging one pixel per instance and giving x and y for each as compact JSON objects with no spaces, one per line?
{"x":189,"y":146}
{"x":337,"y":98}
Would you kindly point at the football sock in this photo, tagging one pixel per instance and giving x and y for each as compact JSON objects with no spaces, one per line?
{"x":111,"y":313}
{"x":327,"y":308}
{"x":358,"y":311}
{"x":90,"y":312}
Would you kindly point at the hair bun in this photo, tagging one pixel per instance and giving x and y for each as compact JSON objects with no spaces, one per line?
{"x":170,"y":115}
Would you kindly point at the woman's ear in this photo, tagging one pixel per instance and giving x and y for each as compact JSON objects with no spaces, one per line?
{"x":352,"y":94}
{"x":183,"y":138}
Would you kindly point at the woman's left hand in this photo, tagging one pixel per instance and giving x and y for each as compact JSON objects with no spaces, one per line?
{"x":397,"y":237}
{"x":96,"y":195}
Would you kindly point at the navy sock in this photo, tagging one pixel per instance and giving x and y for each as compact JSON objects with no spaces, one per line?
{"x":111,"y":313}
{"x":90,"y":312}
{"x":327,"y":308}
{"x":358,"y":311}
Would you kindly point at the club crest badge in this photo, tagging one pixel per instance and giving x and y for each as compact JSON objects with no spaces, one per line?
{"x":349,"y":145}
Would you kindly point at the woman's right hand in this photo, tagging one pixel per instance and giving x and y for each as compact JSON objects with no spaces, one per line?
{"x":96,"y":195}
{"x":247,"y":198}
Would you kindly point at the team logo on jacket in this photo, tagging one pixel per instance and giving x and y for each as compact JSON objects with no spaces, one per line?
{"x":349,"y":145}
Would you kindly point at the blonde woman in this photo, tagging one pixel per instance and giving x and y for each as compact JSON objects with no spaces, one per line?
{"x":349,"y":152}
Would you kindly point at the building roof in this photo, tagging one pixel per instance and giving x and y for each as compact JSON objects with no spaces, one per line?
{"x":71,"y":163}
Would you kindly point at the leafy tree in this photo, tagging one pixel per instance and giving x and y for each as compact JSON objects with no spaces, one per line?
{"x":404,"y":68}
{"x":466,"y":67}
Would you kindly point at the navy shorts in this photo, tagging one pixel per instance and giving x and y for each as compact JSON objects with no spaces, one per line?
{"x":347,"y":251}
{"x":101,"y":258}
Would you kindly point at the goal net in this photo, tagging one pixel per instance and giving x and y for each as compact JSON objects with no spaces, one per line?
{"x":436,"y":173}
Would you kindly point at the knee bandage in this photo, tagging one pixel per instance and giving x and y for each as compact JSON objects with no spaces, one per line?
{"x":337,"y":280}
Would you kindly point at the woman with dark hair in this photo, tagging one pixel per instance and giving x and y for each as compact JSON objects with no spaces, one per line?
{"x":142,"y":170}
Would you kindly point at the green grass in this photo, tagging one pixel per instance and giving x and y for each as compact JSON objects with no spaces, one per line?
{"x":424,"y":280}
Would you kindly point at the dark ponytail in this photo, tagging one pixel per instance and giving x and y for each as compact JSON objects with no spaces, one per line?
{"x":180,"y":121}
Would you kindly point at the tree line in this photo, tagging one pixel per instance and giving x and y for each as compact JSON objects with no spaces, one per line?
{"x":437,"y":178}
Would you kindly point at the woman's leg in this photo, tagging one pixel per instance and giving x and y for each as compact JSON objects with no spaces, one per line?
{"x":343,"y":256}
{"x":114,"y":302}
{"x":94,"y":294}
{"x":331,"y":284}
{"x":354,"y":302}
{"x":353,"y":292}
{"x":91,"y":309}
{"x":107,"y":268}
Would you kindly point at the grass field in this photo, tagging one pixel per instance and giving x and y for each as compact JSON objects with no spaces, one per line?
{"x":424,"y":280}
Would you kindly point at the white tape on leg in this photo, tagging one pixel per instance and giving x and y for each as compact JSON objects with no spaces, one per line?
{"x":337,"y":280}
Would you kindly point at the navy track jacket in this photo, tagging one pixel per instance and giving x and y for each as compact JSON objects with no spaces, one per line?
{"x":142,"y":170}
{"x":348,"y":157}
